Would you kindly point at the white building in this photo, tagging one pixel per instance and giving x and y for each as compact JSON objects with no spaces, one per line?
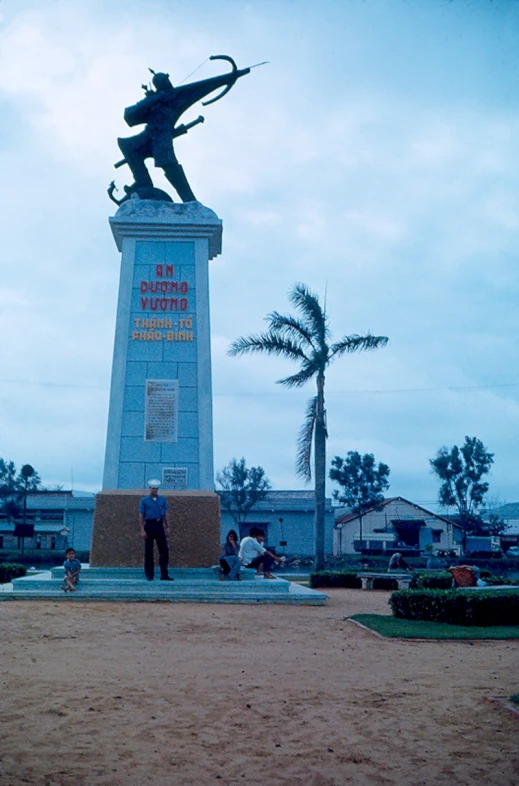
{"x":395,"y":524}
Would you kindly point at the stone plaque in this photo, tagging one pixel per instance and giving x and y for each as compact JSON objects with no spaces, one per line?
{"x":161,"y":410}
{"x":174,"y":478}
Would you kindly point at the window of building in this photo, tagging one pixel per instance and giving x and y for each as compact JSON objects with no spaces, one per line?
{"x":437,"y":535}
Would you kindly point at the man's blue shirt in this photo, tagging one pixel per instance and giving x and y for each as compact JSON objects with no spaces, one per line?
{"x":153,"y":508}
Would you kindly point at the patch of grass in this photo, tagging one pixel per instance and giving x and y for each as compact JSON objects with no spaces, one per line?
{"x":420,"y":629}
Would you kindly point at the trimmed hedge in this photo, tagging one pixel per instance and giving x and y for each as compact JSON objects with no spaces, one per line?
{"x":422,"y":580}
{"x":10,"y":570}
{"x":334,"y":578}
{"x":39,"y":558}
{"x":498,"y":580}
{"x":495,"y":565}
{"x":431,"y":580}
{"x":458,"y":607}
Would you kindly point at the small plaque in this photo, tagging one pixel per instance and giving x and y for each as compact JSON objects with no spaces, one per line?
{"x":174,"y":478}
{"x":161,"y":410}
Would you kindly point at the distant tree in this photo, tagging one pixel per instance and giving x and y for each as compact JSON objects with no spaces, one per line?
{"x":493,"y":524}
{"x":29,"y":478}
{"x":242,"y":488}
{"x":14,"y":487}
{"x":460,"y":471}
{"x":305,"y":339}
{"x":362,"y":482}
{"x":10,"y":490}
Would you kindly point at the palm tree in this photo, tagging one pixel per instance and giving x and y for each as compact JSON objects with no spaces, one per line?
{"x":306,"y":340}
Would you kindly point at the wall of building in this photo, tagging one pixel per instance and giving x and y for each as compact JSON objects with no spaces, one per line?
{"x":297,"y":530}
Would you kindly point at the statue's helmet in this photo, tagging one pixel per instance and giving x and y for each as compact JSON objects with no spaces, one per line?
{"x":161,"y":82}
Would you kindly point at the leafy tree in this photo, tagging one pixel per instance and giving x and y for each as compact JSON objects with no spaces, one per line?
{"x":14,"y":487}
{"x":493,"y":524}
{"x":362,"y":481}
{"x":242,"y":488}
{"x":29,"y":478}
{"x":305,"y":338}
{"x":10,"y":490}
{"x":460,"y":471}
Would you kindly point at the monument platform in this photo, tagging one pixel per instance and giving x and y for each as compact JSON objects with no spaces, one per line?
{"x":190,"y":585}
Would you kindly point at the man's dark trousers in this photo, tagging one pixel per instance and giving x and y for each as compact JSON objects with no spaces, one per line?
{"x":267,"y":561}
{"x":154,"y":529}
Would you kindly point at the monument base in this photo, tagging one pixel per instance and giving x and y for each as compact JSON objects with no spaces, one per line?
{"x":194,"y":537}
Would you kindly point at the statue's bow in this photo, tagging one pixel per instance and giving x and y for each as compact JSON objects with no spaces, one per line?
{"x":235,"y":70}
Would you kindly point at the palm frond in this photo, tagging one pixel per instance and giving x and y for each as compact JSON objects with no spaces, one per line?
{"x":315,"y":318}
{"x":357,"y":343}
{"x":289,"y":326}
{"x":298,"y":380}
{"x":305,"y":440}
{"x":269,"y":343}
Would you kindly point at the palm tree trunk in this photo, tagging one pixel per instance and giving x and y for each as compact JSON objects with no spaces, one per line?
{"x":319,"y":474}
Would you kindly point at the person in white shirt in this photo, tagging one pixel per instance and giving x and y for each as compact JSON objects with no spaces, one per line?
{"x":253,"y":553}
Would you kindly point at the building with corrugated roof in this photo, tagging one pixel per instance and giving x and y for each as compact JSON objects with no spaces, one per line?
{"x":60,"y":518}
{"x":287,"y":517}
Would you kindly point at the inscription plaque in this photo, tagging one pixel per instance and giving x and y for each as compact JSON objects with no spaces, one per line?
{"x":174,"y":478}
{"x":161,"y":410}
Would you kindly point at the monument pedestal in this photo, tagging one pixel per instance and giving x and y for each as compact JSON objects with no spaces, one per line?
{"x":194,"y":537}
{"x":160,"y":414}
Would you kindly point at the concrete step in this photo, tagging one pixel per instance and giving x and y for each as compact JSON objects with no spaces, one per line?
{"x":137,"y":573}
{"x":213,"y":584}
{"x":190,"y":585}
{"x":295,"y":596}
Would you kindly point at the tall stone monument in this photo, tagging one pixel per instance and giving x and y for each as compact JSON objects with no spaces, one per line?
{"x":160,"y":415}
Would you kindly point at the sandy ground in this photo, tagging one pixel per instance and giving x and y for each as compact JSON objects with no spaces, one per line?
{"x":162,"y":694}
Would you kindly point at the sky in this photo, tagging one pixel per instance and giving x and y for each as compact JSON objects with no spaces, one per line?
{"x":375,"y":159}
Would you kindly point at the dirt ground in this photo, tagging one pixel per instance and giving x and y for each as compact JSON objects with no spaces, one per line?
{"x":167,"y":694}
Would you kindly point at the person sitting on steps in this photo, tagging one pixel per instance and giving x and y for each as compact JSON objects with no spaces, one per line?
{"x":253,"y":553}
{"x":230,"y":559}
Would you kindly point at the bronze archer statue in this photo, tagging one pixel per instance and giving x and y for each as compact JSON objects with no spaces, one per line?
{"x":160,"y":111}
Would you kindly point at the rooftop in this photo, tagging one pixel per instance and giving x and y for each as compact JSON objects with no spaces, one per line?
{"x":297,"y":500}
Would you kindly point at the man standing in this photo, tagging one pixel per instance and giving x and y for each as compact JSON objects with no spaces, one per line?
{"x":154,"y":522}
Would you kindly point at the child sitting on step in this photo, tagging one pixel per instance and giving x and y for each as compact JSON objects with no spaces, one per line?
{"x":72,"y":567}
